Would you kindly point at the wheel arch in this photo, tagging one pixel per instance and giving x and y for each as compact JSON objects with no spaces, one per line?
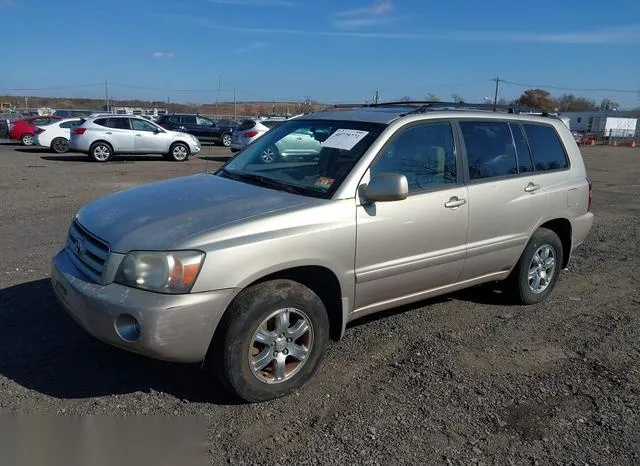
{"x":562,"y":228}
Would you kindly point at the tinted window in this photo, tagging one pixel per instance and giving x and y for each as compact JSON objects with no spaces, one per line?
{"x":246,"y":124}
{"x":141,"y":125}
{"x":490,"y":149}
{"x":271,"y":123}
{"x":525,"y":163}
{"x":70,"y":124}
{"x":548,"y":152}
{"x":174,"y":119}
{"x":188,"y":119}
{"x":424,"y":154}
{"x":118,"y":123}
{"x":204,"y":121}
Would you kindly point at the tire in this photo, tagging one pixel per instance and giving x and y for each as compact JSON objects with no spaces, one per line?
{"x":100,"y":152}
{"x":534,"y":278}
{"x":178,"y":152}
{"x":270,"y":155}
{"x":225,"y":140}
{"x":60,"y":145}
{"x":252,"y":327}
{"x":27,"y":139}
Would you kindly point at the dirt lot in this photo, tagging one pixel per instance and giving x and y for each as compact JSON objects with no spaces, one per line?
{"x":463,"y":379}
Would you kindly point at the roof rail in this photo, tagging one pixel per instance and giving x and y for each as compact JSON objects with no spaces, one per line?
{"x":429,"y":105}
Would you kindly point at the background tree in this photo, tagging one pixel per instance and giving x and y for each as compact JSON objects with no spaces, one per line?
{"x":538,"y":98}
{"x":431,"y":97}
{"x":406,"y":98}
{"x":571,"y":103}
{"x":608,"y":104}
{"x":457,"y":98}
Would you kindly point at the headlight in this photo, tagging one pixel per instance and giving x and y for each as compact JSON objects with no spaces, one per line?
{"x":163,"y":272}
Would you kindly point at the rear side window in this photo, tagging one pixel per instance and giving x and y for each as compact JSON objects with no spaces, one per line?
{"x":118,"y":123}
{"x":525,"y":163}
{"x":246,"y":124}
{"x":188,"y":119}
{"x":71,"y":124}
{"x":490,"y":149}
{"x":548,"y":152}
{"x":271,"y":123}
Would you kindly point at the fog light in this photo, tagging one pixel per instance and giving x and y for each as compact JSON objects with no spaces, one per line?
{"x":127,"y":327}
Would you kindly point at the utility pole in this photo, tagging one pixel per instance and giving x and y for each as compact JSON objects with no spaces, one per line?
{"x":106,"y":96}
{"x":235,"y":108}
{"x":218,"y":93}
{"x":376,"y":96}
{"x":26,"y":103}
{"x":495,"y":98}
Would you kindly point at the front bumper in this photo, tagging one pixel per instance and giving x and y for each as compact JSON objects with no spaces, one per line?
{"x":172,"y":327}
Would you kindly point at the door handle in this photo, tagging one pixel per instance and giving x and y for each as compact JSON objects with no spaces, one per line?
{"x":532,"y":187}
{"x":454,"y":203}
{"x":108,"y":132}
{"x":139,"y":135}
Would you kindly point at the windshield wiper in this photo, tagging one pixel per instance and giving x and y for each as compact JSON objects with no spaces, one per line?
{"x":264,"y":181}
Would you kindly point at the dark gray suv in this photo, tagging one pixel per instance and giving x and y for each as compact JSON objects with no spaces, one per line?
{"x":205,"y":129}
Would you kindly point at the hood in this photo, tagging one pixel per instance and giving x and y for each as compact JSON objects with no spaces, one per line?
{"x":158,"y":216}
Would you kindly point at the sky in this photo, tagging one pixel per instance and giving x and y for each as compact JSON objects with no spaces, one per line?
{"x":198,"y":51}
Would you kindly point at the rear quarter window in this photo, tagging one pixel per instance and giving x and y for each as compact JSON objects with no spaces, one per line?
{"x":546,"y":147}
{"x":246,"y":124}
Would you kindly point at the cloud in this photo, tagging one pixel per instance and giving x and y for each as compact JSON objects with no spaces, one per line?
{"x":162,"y":55}
{"x":254,"y":2}
{"x":252,"y":46}
{"x":604,"y":36}
{"x":377,"y":14}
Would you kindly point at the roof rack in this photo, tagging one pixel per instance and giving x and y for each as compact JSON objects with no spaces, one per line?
{"x":422,"y":106}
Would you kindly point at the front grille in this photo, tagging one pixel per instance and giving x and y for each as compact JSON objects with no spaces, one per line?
{"x":89,"y":253}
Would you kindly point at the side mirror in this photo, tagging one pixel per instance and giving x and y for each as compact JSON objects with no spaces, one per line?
{"x":386,"y":187}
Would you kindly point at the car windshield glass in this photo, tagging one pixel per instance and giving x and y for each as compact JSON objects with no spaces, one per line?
{"x":310,"y":157}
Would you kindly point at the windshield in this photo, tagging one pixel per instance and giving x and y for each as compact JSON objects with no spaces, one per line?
{"x":310,"y":157}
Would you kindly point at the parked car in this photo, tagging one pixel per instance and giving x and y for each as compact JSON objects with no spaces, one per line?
{"x":251,"y":129}
{"x":25,"y":130}
{"x":255,"y":267}
{"x":56,"y":135}
{"x":205,"y":129}
{"x":102,"y":136}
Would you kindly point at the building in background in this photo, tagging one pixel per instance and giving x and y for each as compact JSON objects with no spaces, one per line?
{"x":584,"y":121}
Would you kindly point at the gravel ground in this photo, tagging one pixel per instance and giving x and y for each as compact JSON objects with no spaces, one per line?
{"x":462,"y":379}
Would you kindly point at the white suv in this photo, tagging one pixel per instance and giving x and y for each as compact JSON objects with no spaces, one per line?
{"x":102,"y":136}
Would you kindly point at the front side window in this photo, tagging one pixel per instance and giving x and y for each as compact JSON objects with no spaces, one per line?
{"x":548,"y":151}
{"x":313,"y":166}
{"x":141,"y":125}
{"x":425,"y":154}
{"x":490,"y":149}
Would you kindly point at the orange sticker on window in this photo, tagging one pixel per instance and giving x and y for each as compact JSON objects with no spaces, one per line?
{"x":323,"y":182}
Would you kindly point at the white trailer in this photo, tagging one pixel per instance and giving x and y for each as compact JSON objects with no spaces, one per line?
{"x":614,"y":127}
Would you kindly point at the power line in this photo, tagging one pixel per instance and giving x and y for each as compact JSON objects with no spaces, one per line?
{"x":575,"y":89}
{"x":77,"y":86}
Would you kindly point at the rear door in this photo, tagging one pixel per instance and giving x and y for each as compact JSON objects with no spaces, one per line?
{"x":207,"y":128}
{"x":120,"y":134}
{"x":506,"y":203}
{"x":190,"y":125}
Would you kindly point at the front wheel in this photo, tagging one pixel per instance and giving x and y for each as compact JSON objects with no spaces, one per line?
{"x":271,"y":341}
{"x":179,"y":152}
{"x":269,"y":155}
{"x":536,"y":273}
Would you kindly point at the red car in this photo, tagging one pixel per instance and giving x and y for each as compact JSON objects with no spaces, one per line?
{"x":24,"y":130}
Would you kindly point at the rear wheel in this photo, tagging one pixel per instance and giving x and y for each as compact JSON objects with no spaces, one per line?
{"x":536,"y":273}
{"x":27,"y":139}
{"x":271,"y":340}
{"x":226,"y":140}
{"x":60,"y":145}
{"x":179,"y":152}
{"x":269,"y":155}
{"x":100,"y":152}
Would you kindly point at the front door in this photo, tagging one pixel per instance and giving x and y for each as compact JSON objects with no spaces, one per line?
{"x":407,"y":248}
{"x":148,"y":138}
{"x":507,"y":202}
